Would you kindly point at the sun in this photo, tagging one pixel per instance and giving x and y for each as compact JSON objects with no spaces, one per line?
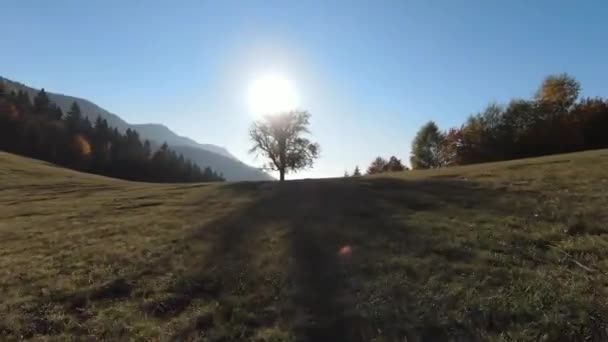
{"x":271,"y":94}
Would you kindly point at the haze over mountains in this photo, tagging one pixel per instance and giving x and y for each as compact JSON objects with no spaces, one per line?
{"x":205,"y":155}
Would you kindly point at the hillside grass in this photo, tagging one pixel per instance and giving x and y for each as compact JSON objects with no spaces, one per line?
{"x":504,"y":251}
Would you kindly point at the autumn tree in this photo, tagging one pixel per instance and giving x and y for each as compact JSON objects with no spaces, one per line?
{"x":81,"y":146}
{"x":426,"y":147}
{"x":560,"y":92}
{"x":451,"y":148}
{"x":281,"y":139}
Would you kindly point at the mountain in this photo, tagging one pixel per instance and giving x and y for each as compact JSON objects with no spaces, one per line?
{"x":163,"y":133}
{"x":215,"y":157}
{"x":231,"y":168}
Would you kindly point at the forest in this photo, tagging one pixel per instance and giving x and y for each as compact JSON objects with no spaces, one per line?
{"x":38,"y":128}
{"x":555,"y":120}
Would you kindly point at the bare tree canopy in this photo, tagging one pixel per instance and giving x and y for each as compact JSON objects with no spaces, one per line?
{"x":280,"y":138}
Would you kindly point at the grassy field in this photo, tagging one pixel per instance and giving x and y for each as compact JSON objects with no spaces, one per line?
{"x":494,"y":252}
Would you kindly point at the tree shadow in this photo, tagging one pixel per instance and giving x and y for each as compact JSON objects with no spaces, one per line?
{"x":333,"y":233}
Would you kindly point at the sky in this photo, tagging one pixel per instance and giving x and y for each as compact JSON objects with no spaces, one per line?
{"x":370,"y":72}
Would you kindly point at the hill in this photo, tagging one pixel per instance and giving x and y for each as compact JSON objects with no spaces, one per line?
{"x":504,"y":251}
{"x":205,"y":155}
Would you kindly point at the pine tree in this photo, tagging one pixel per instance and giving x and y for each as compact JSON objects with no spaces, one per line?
{"x":23,"y":103}
{"x":73,"y":118}
{"x":394,"y":165}
{"x":356,"y":172}
{"x":377,"y":166}
{"x":55,"y":113}
{"x":147,"y":149}
{"x":101,"y":144}
{"x":41,"y":103}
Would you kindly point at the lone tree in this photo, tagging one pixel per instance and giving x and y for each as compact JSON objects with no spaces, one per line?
{"x":280,"y":138}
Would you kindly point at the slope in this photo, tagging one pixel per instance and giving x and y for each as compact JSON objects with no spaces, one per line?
{"x":505,"y":251}
{"x":218,"y":158}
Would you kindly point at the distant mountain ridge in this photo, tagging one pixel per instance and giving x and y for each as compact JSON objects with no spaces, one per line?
{"x":215,"y":157}
{"x":163,"y":133}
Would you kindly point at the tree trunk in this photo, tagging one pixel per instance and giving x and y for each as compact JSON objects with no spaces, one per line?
{"x":282,"y":148}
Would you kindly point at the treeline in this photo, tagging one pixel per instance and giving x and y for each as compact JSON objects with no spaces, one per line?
{"x":40,"y":130}
{"x":380,"y":165}
{"x":554,"y":121}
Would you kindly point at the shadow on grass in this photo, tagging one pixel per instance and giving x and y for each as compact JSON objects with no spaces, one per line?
{"x":293,"y":259}
{"x":333,"y":232}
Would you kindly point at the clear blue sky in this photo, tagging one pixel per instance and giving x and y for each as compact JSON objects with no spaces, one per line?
{"x":370,"y":72}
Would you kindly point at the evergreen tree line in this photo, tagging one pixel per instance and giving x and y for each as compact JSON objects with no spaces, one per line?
{"x":554,"y":121}
{"x":380,"y":165}
{"x":40,"y":130}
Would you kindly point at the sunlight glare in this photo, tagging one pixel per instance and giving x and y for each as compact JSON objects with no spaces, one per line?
{"x":271,"y":94}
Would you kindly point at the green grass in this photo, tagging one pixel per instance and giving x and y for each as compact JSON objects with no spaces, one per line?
{"x":497,"y":252}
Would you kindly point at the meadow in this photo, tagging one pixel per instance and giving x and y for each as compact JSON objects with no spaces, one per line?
{"x":503,"y":251}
